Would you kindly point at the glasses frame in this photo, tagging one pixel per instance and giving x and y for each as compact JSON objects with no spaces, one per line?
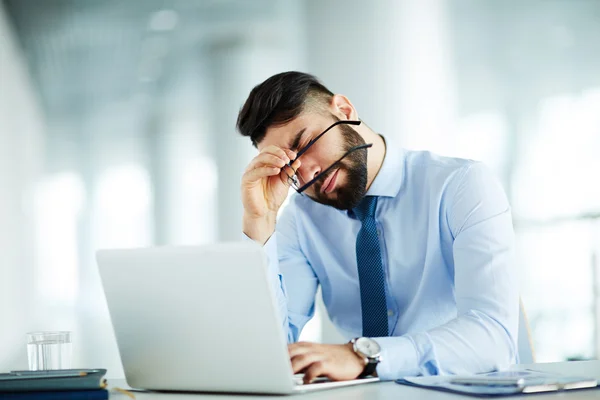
{"x":293,"y":180}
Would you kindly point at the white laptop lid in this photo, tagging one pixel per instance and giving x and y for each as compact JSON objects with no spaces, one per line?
{"x":196,"y":318}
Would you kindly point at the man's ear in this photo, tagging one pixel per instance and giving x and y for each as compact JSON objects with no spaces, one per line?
{"x":342,"y":108}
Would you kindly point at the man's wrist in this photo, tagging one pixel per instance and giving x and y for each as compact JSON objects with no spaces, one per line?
{"x":363,"y":360}
{"x":369,"y":351}
{"x":259,"y":229}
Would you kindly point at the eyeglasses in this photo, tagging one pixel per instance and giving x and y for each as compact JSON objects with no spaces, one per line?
{"x":293,"y":180}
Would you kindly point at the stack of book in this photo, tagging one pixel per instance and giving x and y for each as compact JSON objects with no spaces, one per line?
{"x":66,"y":384}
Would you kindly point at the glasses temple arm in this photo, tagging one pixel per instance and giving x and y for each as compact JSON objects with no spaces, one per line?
{"x":324,"y":132}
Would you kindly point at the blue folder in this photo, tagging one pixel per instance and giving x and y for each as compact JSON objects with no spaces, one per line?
{"x":501,"y":383}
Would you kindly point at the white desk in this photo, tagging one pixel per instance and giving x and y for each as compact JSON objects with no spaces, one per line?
{"x":391,"y":390}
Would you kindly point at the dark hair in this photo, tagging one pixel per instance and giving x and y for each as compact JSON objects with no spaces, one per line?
{"x":278,"y":100}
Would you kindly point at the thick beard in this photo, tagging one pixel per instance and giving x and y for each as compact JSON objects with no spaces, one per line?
{"x":355,"y":166}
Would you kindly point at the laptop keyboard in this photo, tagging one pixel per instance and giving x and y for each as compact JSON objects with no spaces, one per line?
{"x":325,"y":383}
{"x":299,"y":382}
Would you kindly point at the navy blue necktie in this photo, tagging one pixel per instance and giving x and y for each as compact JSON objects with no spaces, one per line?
{"x":370,"y":271}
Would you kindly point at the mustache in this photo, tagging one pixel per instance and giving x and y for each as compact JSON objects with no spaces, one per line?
{"x":319,"y":184}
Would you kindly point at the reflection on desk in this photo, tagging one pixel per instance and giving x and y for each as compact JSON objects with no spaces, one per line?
{"x":391,"y":390}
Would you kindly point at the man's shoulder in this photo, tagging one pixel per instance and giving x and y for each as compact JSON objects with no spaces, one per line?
{"x":425,"y":169}
{"x":424,"y":160}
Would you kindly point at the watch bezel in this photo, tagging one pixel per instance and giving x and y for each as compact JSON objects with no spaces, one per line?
{"x":359,"y":347}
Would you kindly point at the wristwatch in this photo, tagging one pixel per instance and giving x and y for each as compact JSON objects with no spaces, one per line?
{"x":370,"y":351}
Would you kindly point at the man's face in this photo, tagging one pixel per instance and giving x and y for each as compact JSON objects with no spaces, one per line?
{"x":345,"y":185}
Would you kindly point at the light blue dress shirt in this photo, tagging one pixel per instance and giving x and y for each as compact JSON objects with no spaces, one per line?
{"x":448,"y":254}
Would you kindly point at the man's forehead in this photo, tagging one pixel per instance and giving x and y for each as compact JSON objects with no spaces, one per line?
{"x":284,"y":135}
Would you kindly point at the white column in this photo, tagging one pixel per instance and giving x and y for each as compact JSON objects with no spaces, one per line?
{"x":190,"y":168}
{"x":392,"y":59}
{"x":426,"y":83}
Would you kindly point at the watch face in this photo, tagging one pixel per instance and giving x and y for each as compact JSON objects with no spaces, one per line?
{"x":368,"y":347}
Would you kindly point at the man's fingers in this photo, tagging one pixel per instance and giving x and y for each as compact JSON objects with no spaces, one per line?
{"x":304,"y":360}
{"x":266,"y":159}
{"x":296,"y":165}
{"x":270,"y":155}
{"x":289,"y":171}
{"x":291,"y":154}
{"x":259,"y":173}
{"x":296,"y":349}
{"x":315,"y":370}
{"x":276,"y":151}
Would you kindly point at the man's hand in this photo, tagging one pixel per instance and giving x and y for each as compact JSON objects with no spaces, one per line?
{"x":264,"y":188}
{"x":337,"y":362}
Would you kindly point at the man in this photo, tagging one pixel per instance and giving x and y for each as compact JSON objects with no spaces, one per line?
{"x":413,"y":251}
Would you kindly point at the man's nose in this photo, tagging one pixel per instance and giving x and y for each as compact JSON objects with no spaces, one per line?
{"x":306,"y":173}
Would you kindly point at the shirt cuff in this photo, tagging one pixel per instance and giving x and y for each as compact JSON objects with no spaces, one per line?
{"x":399,"y":358}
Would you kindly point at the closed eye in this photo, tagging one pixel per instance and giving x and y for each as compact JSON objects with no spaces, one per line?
{"x":300,"y":146}
{"x":296,"y":141}
{"x":305,"y":148}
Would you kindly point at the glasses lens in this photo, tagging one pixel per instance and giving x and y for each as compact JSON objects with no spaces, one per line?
{"x":292,"y":178}
{"x":293,"y":181}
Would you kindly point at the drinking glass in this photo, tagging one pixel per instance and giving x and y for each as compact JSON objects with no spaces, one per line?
{"x":49,"y":350}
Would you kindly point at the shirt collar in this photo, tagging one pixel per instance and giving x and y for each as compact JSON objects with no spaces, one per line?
{"x":388,"y":181}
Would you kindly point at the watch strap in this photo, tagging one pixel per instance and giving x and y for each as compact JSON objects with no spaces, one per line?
{"x":369,"y":369}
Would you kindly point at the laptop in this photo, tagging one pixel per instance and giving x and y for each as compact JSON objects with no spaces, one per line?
{"x":199,"y":319}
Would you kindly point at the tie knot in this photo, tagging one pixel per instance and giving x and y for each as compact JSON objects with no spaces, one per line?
{"x":366,"y":208}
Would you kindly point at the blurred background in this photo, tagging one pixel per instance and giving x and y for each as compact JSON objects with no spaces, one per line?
{"x":117,"y":129}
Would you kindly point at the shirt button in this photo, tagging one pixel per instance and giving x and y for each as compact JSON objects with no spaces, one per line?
{"x":390,"y":313}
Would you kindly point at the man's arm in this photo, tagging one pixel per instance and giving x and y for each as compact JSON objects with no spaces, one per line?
{"x":296,"y":294}
{"x":483,"y":337}
{"x":264,"y":188}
